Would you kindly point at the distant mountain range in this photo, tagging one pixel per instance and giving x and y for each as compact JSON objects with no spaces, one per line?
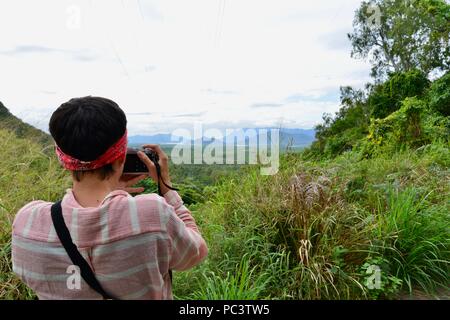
{"x":297,"y":138}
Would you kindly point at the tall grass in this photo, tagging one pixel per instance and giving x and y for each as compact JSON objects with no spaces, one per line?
{"x":329,"y":221}
{"x":27,"y":173}
{"x":245,"y":283}
{"x":416,"y":239}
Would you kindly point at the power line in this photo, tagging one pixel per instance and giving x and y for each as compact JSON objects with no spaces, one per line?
{"x":118,"y":57}
{"x":219,"y":22}
{"x":140,"y":9}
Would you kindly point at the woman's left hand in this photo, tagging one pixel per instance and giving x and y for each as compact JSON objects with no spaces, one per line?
{"x":127,"y":181}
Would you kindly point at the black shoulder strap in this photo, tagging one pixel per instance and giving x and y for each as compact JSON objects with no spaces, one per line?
{"x":77,"y":259}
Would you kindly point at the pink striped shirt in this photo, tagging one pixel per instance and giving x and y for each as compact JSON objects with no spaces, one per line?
{"x":131,"y":243}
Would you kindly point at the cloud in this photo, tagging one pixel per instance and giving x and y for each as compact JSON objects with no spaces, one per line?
{"x":83,"y":57}
{"x":150,"y":68}
{"x":48,"y":92}
{"x":266,"y":105}
{"x":149,"y":10}
{"x":77,"y":55}
{"x":220,"y":92}
{"x":189,"y":115}
{"x":336,"y":40}
{"x":332,"y":95}
{"x":139,"y":113}
{"x":24,"y":49}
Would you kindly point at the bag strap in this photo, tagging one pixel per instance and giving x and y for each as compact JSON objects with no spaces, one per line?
{"x":77,"y":259}
{"x":160,"y":179}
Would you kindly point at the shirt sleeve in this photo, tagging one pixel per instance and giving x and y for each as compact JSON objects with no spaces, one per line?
{"x":24,"y":217}
{"x":188,"y":248}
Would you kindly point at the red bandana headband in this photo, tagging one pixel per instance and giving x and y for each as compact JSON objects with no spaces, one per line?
{"x":116,"y":151}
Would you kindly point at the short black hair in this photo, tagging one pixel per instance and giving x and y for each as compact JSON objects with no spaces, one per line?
{"x":86,"y":127}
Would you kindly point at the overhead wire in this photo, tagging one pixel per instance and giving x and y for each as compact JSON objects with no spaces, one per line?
{"x":219,"y":23}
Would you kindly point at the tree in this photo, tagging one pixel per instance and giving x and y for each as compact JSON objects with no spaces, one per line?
{"x":439,"y":95}
{"x":342,"y":131}
{"x":387,"y":97}
{"x":401,"y":35}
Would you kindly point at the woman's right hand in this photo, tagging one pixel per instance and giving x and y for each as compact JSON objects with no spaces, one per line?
{"x":163,"y":163}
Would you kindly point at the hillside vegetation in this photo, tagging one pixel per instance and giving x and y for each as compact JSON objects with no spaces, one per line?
{"x":372,"y":193}
{"x":313,"y":230}
{"x":22,"y":130}
{"x":26,"y":173}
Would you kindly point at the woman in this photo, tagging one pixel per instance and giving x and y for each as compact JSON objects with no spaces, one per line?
{"x":129,"y":243}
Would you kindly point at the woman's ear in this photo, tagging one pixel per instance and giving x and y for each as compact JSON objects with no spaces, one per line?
{"x":122,"y":159}
{"x":119,"y":163}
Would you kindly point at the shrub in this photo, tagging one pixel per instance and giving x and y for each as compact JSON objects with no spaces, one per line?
{"x":388,"y":97}
{"x":402,"y":127}
{"x":439,"y":95}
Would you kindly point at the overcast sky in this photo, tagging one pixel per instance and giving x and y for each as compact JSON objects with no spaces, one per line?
{"x":168,"y":64}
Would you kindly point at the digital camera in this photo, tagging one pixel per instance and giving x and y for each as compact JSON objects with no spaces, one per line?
{"x":134,"y":165}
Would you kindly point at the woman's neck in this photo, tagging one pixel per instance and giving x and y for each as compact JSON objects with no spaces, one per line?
{"x":91,"y":191}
